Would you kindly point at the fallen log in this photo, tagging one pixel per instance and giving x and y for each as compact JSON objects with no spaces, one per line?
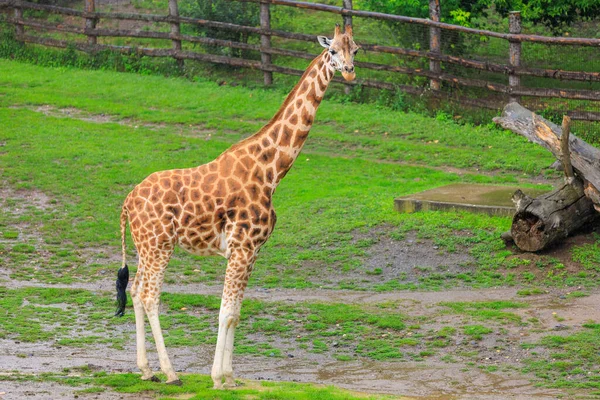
{"x":540,"y":222}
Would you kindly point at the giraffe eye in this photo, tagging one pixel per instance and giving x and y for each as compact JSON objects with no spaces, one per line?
{"x":332,"y":52}
{"x":355,"y":52}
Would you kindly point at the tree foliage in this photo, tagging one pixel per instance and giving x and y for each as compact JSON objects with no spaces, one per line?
{"x":554,"y":14}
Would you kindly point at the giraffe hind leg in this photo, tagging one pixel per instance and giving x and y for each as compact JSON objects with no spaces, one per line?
{"x":140,"y":330}
{"x":148,"y":298}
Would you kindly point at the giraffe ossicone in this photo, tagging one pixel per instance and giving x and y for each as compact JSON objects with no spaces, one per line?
{"x":221,"y":208}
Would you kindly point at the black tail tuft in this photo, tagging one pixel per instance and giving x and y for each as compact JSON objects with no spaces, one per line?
{"x":122,"y":280}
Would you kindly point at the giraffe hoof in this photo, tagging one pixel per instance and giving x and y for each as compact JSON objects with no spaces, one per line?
{"x":176,"y":382}
{"x":153,"y":378}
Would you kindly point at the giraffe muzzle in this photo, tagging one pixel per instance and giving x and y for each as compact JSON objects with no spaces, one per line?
{"x":349,"y":75}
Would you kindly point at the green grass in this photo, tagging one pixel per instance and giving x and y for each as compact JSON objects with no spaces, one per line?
{"x":357,"y":160}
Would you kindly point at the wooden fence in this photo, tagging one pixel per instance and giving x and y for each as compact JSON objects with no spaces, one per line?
{"x":436,"y":75}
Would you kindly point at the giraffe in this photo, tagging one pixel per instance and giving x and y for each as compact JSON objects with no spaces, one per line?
{"x":221,"y":208}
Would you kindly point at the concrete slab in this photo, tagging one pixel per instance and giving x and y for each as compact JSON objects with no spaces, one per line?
{"x":486,"y":199}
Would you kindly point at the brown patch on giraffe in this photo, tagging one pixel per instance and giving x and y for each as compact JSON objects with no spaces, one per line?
{"x":220,"y":189}
{"x":294,"y":119}
{"x":208,"y":183}
{"x":255,"y":213}
{"x":284,"y":162}
{"x":226,"y":165}
{"x":274,"y":133}
{"x":183,"y":195}
{"x":165,"y":183}
{"x":177,"y":184}
{"x":241,"y":172}
{"x":258,"y":175}
{"x":246,"y":162}
{"x":166,"y":219}
{"x":312,"y":73}
{"x":307,"y":118}
{"x":289,"y":111}
{"x":253,"y":191}
{"x":286,"y":135}
{"x":322,"y":84}
{"x":268,"y":155}
{"x":329,"y":74}
{"x":300,"y":137}
{"x":269,"y":174}
{"x":189,"y":207}
{"x":232,"y":212}
{"x":170,"y":198}
{"x":268,"y":193}
{"x":311,"y":96}
{"x":233,"y":185}
{"x":303,"y":87}
{"x":199,"y":210}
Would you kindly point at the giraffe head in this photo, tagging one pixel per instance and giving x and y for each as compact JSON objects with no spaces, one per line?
{"x":342,"y":50}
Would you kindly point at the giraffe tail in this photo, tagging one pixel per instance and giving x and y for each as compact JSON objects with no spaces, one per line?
{"x":123,"y":274}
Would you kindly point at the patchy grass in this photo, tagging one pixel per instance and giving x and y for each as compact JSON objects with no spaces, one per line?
{"x":572,"y":361}
{"x":487,"y":310}
{"x":196,"y":387}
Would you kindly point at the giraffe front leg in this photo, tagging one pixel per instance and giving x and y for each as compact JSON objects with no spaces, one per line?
{"x":228,"y":352}
{"x":236,"y":278}
{"x":222,"y":365}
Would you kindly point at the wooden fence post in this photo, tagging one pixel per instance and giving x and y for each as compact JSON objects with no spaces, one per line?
{"x":347,"y":4}
{"x":90,"y":23}
{"x":176,"y":31}
{"x":514,"y":23}
{"x":18,"y":14}
{"x":265,"y":40}
{"x":435,"y":41}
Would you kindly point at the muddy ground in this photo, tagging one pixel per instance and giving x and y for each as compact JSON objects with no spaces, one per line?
{"x":430,"y":379}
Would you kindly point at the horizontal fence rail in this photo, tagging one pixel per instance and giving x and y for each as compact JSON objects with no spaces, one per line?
{"x":513,"y":70}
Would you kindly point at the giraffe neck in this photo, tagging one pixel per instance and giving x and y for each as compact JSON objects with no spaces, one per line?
{"x":277,"y":145}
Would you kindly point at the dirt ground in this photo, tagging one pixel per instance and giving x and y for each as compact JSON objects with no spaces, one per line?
{"x":430,"y":379}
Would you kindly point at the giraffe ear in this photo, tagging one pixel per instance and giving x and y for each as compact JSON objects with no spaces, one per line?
{"x":323,"y":41}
